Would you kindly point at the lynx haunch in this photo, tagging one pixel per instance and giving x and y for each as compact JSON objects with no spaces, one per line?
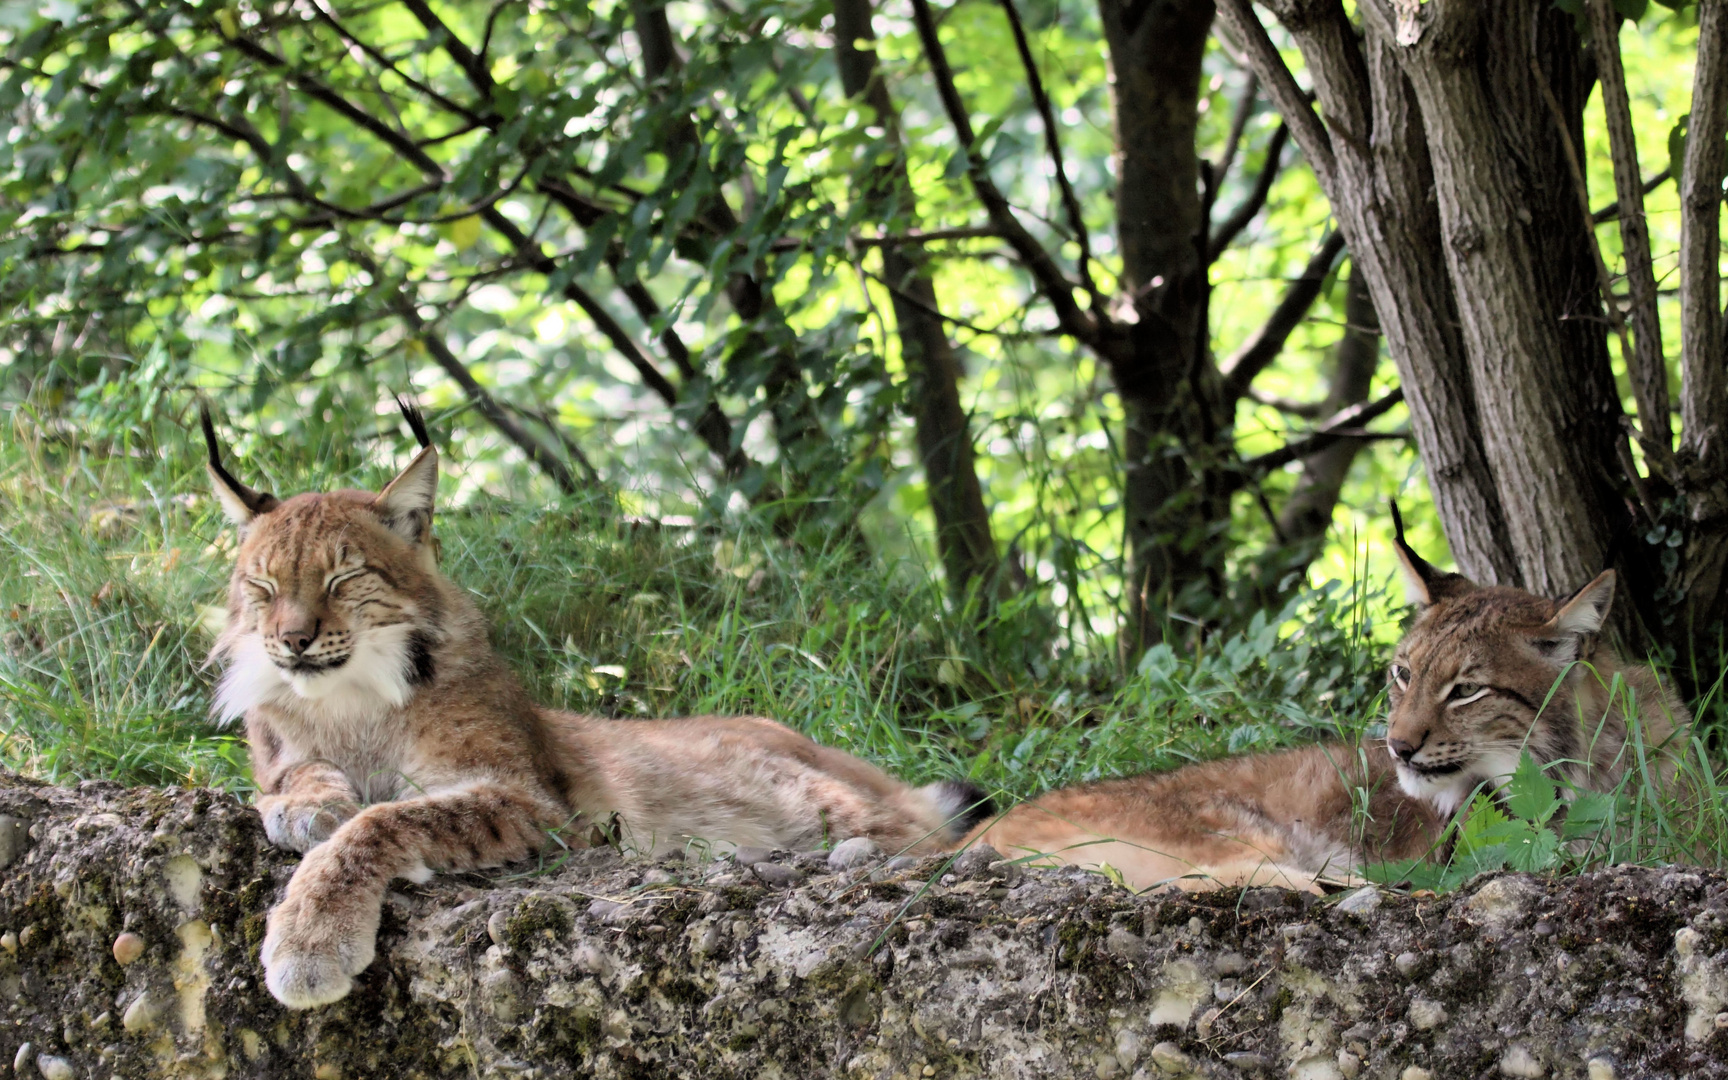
{"x":389,"y":740}
{"x":1483,"y":675}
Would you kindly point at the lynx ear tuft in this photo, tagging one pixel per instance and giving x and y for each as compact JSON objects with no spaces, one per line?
{"x":405,"y":504}
{"x":416,"y":421}
{"x":241,"y":503}
{"x":1423,"y":584}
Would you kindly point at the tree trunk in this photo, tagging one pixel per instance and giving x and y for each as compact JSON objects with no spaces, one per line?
{"x":1174,"y":443}
{"x":612,"y":969}
{"x":1447,"y":132}
{"x":1377,"y":174}
{"x":1308,"y":512}
{"x":963,"y":537}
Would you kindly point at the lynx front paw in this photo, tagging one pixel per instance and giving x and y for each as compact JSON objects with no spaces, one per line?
{"x":312,"y":952}
{"x":302,"y":826}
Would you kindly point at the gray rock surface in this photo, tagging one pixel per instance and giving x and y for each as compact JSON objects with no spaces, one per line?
{"x":613,"y":968}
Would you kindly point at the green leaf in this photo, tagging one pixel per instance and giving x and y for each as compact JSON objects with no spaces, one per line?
{"x":1537,"y":849}
{"x":1588,"y":815}
{"x":1530,"y":795}
{"x":1632,"y":9}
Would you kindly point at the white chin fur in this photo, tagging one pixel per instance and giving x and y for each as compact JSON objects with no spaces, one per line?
{"x":1447,"y":793}
{"x":375,"y":676}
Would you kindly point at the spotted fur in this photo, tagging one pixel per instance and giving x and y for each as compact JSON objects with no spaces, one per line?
{"x":389,"y":740}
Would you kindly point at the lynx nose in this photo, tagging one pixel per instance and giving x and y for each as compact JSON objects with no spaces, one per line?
{"x":299,"y":639}
{"x":1403,"y":750}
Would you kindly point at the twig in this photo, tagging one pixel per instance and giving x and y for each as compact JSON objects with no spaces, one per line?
{"x":1256,"y":200}
{"x":1263,"y":348}
{"x":1344,"y":424}
{"x":1054,"y":284}
{"x":1238,"y":124}
{"x":1053,"y":142}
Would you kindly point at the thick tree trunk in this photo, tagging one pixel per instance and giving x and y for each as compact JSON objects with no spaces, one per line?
{"x":1498,"y":190}
{"x":1704,"y":349}
{"x":1308,"y":512}
{"x":1174,"y":442}
{"x":625,"y":969}
{"x":963,"y":537}
{"x":1445,"y":154}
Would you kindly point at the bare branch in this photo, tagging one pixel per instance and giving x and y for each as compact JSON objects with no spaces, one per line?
{"x":1256,"y":200}
{"x":1344,"y":424}
{"x":1612,"y":210}
{"x":1650,"y":372}
{"x":1642,"y":381}
{"x":1053,"y":141}
{"x":1263,"y":348}
{"x":478,"y":75}
{"x":1238,"y":124}
{"x":1054,"y":284}
{"x":407,"y":310}
{"x":1251,"y":40}
{"x":1307,"y":410}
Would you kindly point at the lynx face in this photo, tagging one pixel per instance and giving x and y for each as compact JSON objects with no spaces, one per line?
{"x":1485,"y":674}
{"x":332,"y":606}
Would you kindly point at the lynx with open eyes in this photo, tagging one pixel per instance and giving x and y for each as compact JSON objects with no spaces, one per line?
{"x":1483,"y":675}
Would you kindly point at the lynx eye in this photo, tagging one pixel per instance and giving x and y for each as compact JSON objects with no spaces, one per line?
{"x":1464,"y":692}
{"x":336,"y":579}
{"x":1401,"y":676}
{"x":263,"y":585}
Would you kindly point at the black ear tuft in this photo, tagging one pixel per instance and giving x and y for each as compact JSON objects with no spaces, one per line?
{"x":416,"y":421}
{"x":1423,"y":582}
{"x":239,"y":502}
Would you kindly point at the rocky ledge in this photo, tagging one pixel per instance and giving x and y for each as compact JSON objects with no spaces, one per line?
{"x":130,"y":922}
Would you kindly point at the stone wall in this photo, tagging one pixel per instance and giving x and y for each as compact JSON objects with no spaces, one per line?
{"x":130,"y":922}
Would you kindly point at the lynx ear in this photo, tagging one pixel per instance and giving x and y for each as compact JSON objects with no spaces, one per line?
{"x":405,"y":504}
{"x":239,"y":502}
{"x":1587,"y":609}
{"x":1423,"y":584}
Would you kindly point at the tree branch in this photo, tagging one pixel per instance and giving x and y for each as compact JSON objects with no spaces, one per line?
{"x":1260,"y":350}
{"x":1256,"y":47}
{"x":465,"y":58}
{"x":1307,"y":410}
{"x":1243,"y":214}
{"x":1704,"y":380}
{"x":1054,"y":284}
{"x":1612,"y":210}
{"x":1344,"y":424}
{"x":1643,"y":381}
{"x":1053,"y":141}
{"x":1238,"y":125}
{"x":1646,"y":364}
{"x":500,"y":418}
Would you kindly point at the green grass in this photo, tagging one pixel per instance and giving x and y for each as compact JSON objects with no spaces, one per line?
{"x":111,"y":561}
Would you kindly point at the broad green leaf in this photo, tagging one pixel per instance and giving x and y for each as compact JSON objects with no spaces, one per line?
{"x":1530,"y":794}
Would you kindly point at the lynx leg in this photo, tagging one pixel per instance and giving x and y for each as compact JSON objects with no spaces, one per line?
{"x":324,"y":932}
{"x":306,"y":804}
